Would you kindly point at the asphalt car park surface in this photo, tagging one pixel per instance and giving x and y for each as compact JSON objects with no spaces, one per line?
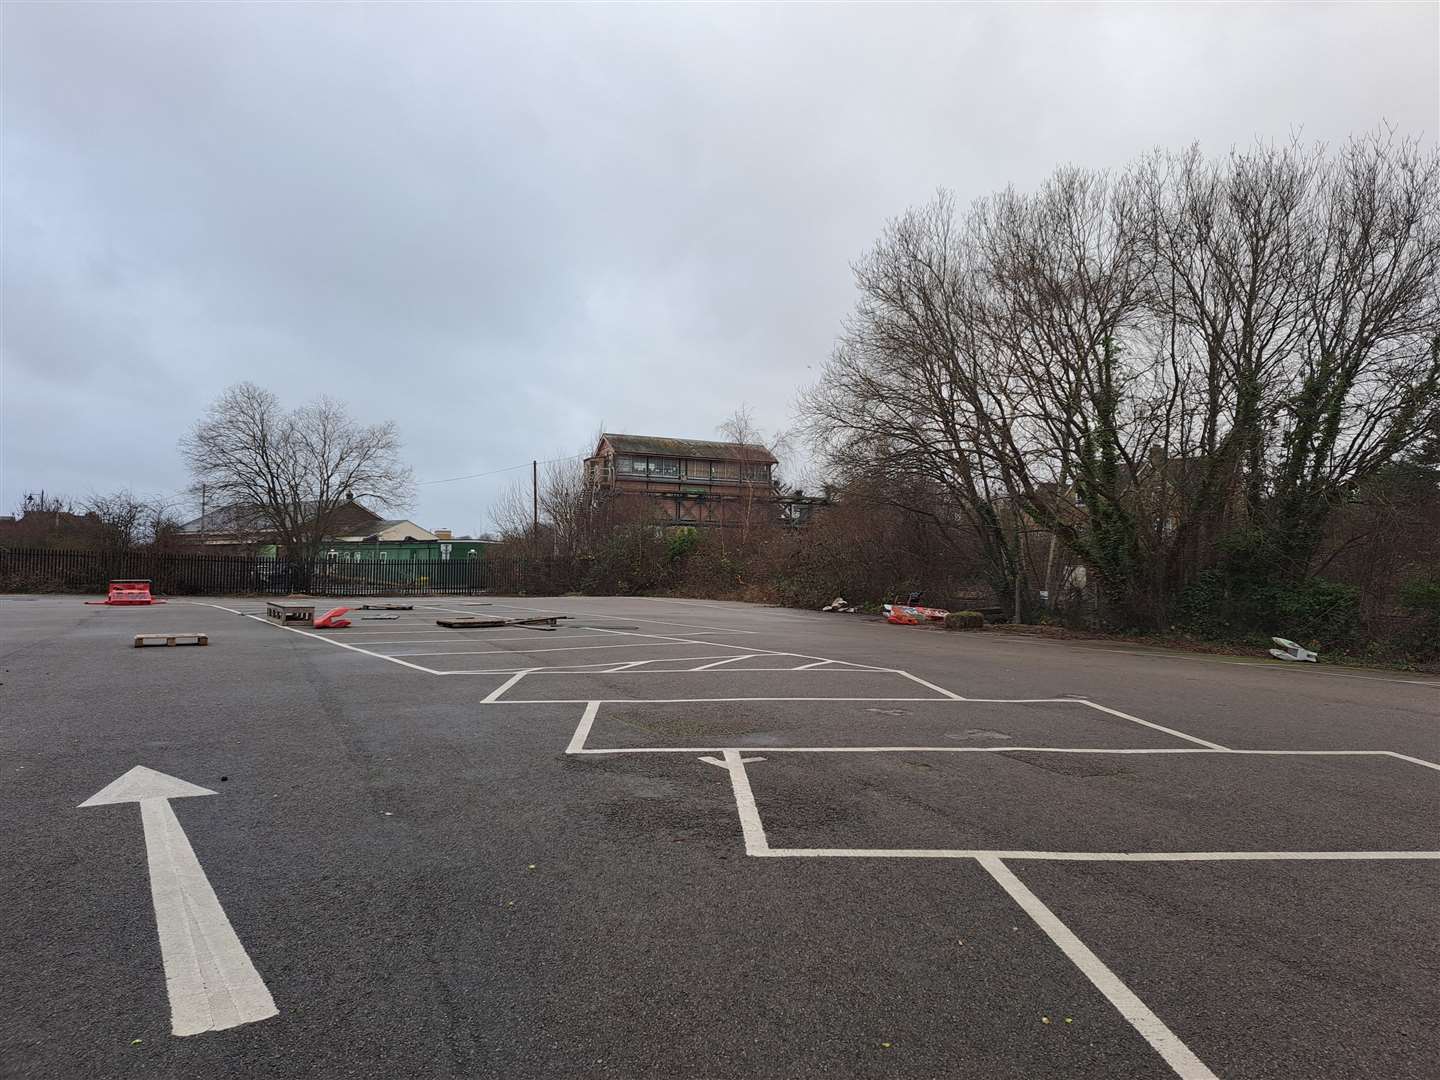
{"x":683,"y":838}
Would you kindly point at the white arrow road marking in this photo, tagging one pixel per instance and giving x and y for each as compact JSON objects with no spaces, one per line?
{"x":209,"y":976}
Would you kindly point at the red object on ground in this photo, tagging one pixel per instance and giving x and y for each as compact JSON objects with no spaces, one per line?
{"x":906,"y":615}
{"x":331,"y":620}
{"x":128,"y":591}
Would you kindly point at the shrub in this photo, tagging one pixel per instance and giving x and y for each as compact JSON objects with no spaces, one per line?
{"x":1421,"y":595}
{"x":1221,"y":604}
{"x":964,"y":620}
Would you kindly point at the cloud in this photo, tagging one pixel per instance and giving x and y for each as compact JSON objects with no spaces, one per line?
{"x":504,"y":225}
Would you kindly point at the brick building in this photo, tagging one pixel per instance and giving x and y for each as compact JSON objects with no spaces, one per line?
{"x":684,"y":481}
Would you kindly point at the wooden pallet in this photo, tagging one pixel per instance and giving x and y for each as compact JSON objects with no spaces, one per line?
{"x":282,"y":612}
{"x":479,"y":623}
{"x":142,"y":640}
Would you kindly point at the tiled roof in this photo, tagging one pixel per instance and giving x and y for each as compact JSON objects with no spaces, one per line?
{"x":688,"y":448}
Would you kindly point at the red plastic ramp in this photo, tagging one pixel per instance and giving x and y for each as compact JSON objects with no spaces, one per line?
{"x":128,"y":591}
{"x":332,"y":619}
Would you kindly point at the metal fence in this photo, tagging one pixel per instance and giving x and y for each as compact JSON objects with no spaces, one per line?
{"x":183,"y":574}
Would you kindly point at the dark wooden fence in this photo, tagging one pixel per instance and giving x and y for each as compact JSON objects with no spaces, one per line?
{"x":173,"y":574}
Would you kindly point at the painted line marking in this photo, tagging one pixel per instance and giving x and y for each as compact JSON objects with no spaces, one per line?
{"x":562,"y":648}
{"x":1151,"y":1028}
{"x":727,"y":660}
{"x":1101,"y":856}
{"x":703,"y":700}
{"x":582,"y":732}
{"x":210,"y":980}
{"x":1147,"y":723}
{"x":931,"y":685}
{"x":319,"y":637}
{"x":750,"y":826}
{"x":707,"y":669}
{"x":1414,"y":760}
{"x":495,"y":694}
{"x":1002,"y":750}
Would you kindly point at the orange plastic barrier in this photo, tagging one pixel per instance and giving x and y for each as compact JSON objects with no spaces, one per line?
{"x":906,"y":615}
{"x":332,"y":620}
{"x":128,"y":591}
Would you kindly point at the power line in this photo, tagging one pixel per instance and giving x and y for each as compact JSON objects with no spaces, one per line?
{"x":497,"y":472}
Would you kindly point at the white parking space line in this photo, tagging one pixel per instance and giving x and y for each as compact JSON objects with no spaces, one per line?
{"x":1104,"y":856}
{"x":708,"y":669}
{"x":728,"y":660}
{"x":582,"y":732}
{"x":683,"y":700}
{"x":1151,"y":1028}
{"x":495,"y":694}
{"x":931,"y":685}
{"x":562,"y":648}
{"x":1147,"y":723}
{"x":750,"y":827}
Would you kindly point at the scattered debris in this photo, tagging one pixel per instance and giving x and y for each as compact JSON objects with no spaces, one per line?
{"x":379,"y":618}
{"x":127,"y":592}
{"x":479,"y":623}
{"x":141,"y":640}
{"x":387,"y":607}
{"x":1289,"y":650}
{"x":840,"y":604}
{"x":906,"y":615}
{"x":333,"y":619}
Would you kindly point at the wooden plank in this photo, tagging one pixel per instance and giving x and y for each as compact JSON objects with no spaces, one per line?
{"x":474,"y":623}
{"x":387,"y":607}
{"x":141,"y":640}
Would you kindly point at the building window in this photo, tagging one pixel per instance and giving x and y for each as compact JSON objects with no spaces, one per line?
{"x":726,"y":470}
{"x":697,"y":470}
{"x":627,"y":464}
{"x":757,"y":472}
{"x":668,"y":468}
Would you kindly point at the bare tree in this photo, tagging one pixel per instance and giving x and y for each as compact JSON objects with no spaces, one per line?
{"x":292,"y":470}
{"x":1143,"y":364}
{"x":43,"y":502}
{"x":758,"y":480}
{"x":512,"y":513}
{"x":126,"y":521}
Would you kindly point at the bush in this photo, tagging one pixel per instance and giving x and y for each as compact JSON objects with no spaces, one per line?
{"x":964,"y":620}
{"x":1224,"y":605}
{"x":1421,"y":595}
{"x":1317,"y":610}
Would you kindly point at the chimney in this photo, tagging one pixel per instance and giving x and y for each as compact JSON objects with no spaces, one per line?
{"x":442,"y":534}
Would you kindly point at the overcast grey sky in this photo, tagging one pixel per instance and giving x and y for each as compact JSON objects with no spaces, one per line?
{"x":504,"y":226}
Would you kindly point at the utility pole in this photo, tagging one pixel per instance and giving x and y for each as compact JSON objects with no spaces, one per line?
{"x":535,"y":498}
{"x":202,"y":517}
